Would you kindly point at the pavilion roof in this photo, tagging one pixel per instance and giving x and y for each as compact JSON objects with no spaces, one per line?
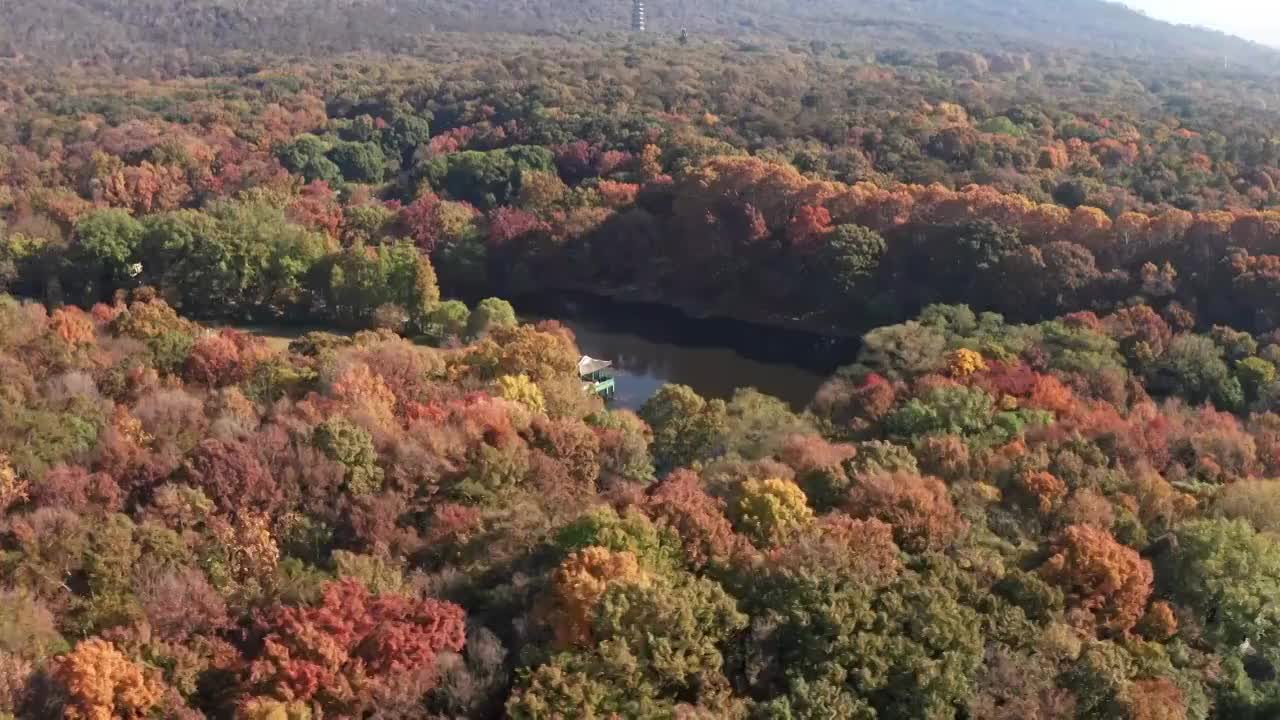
{"x":588,"y":365}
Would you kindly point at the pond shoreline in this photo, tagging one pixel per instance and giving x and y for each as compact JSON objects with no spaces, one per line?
{"x":652,"y":344}
{"x":816,"y":352}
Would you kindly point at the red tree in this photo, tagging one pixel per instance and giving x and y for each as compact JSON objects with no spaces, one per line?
{"x":918,"y":508}
{"x":353,"y":645}
{"x":1101,"y":576}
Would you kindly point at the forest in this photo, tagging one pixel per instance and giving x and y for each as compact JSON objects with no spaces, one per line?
{"x":1043,"y":488}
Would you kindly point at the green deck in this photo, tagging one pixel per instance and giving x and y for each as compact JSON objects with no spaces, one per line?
{"x":604,"y":387}
{"x":595,"y":379}
{"x":599,"y":383}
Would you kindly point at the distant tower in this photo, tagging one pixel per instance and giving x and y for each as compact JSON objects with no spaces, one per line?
{"x":637,"y":16}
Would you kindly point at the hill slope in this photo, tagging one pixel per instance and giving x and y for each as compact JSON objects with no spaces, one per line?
{"x":84,"y":26}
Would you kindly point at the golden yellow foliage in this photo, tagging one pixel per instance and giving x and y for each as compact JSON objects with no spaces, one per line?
{"x":541,"y":192}
{"x":964,"y":362}
{"x":772,"y":510}
{"x":520,"y":389}
{"x":579,"y":583}
{"x":13,"y":489}
{"x":103,"y":684}
{"x":260,"y":708}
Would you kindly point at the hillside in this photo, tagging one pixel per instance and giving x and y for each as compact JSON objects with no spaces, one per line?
{"x":1041,"y":240}
{"x":317,"y":26}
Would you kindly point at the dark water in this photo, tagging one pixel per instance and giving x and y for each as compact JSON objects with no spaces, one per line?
{"x":652,"y":345}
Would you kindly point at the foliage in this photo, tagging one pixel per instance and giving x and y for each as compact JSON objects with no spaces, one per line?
{"x":685,"y":426}
{"x":772,"y":510}
{"x":100,"y":682}
{"x":1041,"y":488}
{"x":352,"y":645}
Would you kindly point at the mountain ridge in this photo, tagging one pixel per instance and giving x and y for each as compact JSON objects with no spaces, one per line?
{"x":79,"y":28}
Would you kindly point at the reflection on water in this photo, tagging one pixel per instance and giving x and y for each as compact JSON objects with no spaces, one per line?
{"x":641,"y":366}
{"x":651,"y":346}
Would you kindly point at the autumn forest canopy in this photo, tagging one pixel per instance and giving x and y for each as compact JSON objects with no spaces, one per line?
{"x":1044,"y":487}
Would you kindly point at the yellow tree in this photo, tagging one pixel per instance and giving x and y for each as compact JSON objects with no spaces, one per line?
{"x":578,"y":586}
{"x":102,"y":684}
{"x":772,"y":510}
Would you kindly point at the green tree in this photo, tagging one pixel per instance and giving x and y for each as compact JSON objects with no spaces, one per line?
{"x":486,"y":179}
{"x":306,"y":156}
{"x":363,"y":279}
{"x":850,"y":258}
{"x":899,"y":351}
{"x":490,"y":314}
{"x":847,"y":642}
{"x":351,"y":445}
{"x":755,"y":424}
{"x":361,"y":162}
{"x":248,"y":255}
{"x":686,"y":427}
{"x":1193,"y":367}
{"x":1254,"y":374}
{"x":107,"y":244}
{"x":402,"y":137}
{"x":1229,"y":575}
{"x":449,"y":319}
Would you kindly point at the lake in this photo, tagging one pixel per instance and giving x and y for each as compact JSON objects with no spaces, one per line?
{"x":652,"y":345}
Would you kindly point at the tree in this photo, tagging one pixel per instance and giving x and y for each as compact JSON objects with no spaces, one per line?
{"x":685,"y":426}
{"x":947,"y":409}
{"x":351,"y":445}
{"x":222,"y":359}
{"x":1254,"y":375}
{"x":351,"y":646}
{"x":917,"y":508}
{"x":624,"y":447}
{"x":306,"y":156}
{"x":578,"y":586}
{"x":1156,"y":699}
{"x":964,"y":362}
{"x":449,"y":319}
{"x":899,"y":351}
{"x":656,"y":642}
{"x":520,"y":389}
{"x":1226,"y":573}
{"x":102,"y":683}
{"x":1101,"y":577}
{"x":107,"y":243}
{"x":363,"y":279}
{"x":574,"y":445}
{"x":13,"y":489}
{"x":73,"y":326}
{"x":402,"y":137}
{"x":486,"y":179}
{"x":488,"y":314}
{"x":771,"y":511}
{"x":675,"y":629}
{"x":231,"y":475}
{"x":248,"y":255}
{"x":832,"y":641}
{"x":680,"y":503}
{"x":1193,"y":367}
{"x":361,"y":162}
{"x":755,"y":424}
{"x":544,"y":356}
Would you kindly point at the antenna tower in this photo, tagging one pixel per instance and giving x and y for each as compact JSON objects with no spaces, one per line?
{"x":637,"y":16}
